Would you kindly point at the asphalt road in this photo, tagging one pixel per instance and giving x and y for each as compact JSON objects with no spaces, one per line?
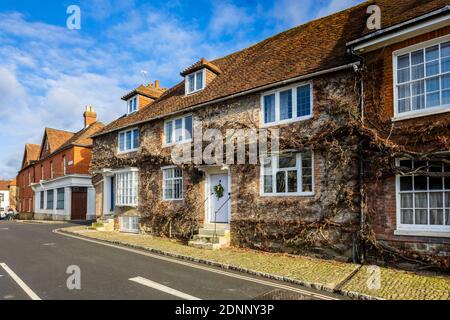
{"x":34,"y":262}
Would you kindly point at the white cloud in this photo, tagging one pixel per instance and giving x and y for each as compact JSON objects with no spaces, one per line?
{"x":227,"y":18}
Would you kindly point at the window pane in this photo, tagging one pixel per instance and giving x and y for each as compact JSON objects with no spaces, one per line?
{"x":135,"y":104}
{"x":406,"y":200}
{"x":269,"y":108}
{"x":417,"y":72}
{"x":446,"y":97}
{"x":417,"y":57}
{"x":445,"y":65}
{"x":432,"y":68}
{"x":179,"y":130}
{"x":304,"y":101}
{"x":191,"y":80}
{"x":447,"y":217}
{"x":436,"y":217}
{"x":404,"y":105}
{"x":168,"y":132}
{"x":286,"y":105}
{"x":404,"y":91}
{"x":128,"y":135}
{"x":406,"y":163}
{"x":199,"y":84}
{"x":122,"y":141}
{"x":420,"y":183}
{"x":406,"y":183}
{"x":421,"y":200}
{"x":407,"y":217}
{"x":433,"y":84}
{"x":268,"y":188}
{"x":292,"y":181}
{"x":287,"y":160}
{"x":418,"y":102}
{"x":445,"y":81}
{"x":135,"y":138}
{"x":436,"y":200}
{"x":403,"y":61}
{"x":281,"y":182}
{"x":403,"y":75}
{"x":445,"y":49}
{"x":188,"y":127}
{"x":418,"y":87}
{"x":421,"y":217}
{"x":433,"y":99}
{"x":432,"y":53}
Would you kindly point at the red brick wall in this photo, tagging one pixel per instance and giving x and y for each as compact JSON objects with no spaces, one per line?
{"x":381,"y":194}
{"x":25,"y":190}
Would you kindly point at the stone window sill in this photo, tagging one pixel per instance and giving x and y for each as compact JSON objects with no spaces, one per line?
{"x":441,"y":234}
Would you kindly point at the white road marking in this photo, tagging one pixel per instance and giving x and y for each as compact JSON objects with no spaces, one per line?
{"x":196,"y":266}
{"x":4,"y":228}
{"x":48,"y":244}
{"x":163,"y":288}
{"x":19,"y":281}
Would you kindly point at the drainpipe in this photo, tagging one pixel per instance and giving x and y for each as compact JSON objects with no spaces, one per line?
{"x":361,"y":257}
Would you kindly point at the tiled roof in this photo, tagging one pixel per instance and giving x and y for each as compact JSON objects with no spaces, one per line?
{"x":56,"y":138}
{"x":148,"y":91}
{"x":31,"y":153}
{"x":83,"y":137}
{"x":308,"y":48}
{"x":4,"y":185}
{"x":202,"y":63}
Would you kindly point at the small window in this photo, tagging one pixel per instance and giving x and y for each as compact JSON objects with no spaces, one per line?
{"x":51,"y":170}
{"x":41,"y":200}
{"x":60,"y":199}
{"x":178,"y":130}
{"x":64,"y":165}
{"x":49,"y":199}
{"x":195,"y":81}
{"x":127,"y":188}
{"x":287,"y":105}
{"x":42,"y":172}
{"x":129,"y":140}
{"x":422,"y":79}
{"x":132,"y":105}
{"x":172,"y":184}
{"x":424,"y":198}
{"x":288,"y":174}
{"x":129,"y":224}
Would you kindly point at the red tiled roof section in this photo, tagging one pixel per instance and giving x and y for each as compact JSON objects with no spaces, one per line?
{"x":32,"y":152}
{"x":4,"y":185}
{"x":149,"y":90}
{"x":202,"y":63}
{"x":308,"y":48}
{"x":83,"y":137}
{"x":56,"y":138}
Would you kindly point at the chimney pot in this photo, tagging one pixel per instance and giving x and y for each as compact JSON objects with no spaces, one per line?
{"x":157,"y":84}
{"x":89,"y":116}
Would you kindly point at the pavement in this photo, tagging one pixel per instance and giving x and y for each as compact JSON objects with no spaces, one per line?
{"x":34,"y":264}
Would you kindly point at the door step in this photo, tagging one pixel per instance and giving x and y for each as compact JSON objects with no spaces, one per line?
{"x":211,"y":239}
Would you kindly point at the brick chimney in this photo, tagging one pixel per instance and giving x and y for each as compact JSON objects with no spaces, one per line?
{"x":156,"y":84}
{"x":90,"y":116}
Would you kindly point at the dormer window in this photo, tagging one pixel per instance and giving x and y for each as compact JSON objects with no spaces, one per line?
{"x":132,"y":105}
{"x":195,"y":81}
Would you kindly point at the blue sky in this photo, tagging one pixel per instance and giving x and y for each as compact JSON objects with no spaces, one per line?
{"x":48,"y":73}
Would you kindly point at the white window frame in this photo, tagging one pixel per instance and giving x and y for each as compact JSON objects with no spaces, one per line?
{"x":134,"y":107}
{"x":277,"y":92}
{"x":133,"y":147}
{"x":129,"y":224}
{"x":184,"y":133}
{"x":275,"y":169}
{"x":421,"y":112}
{"x":163,"y":169}
{"x":417,"y":229}
{"x":131,"y":197}
{"x":186,"y":81}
